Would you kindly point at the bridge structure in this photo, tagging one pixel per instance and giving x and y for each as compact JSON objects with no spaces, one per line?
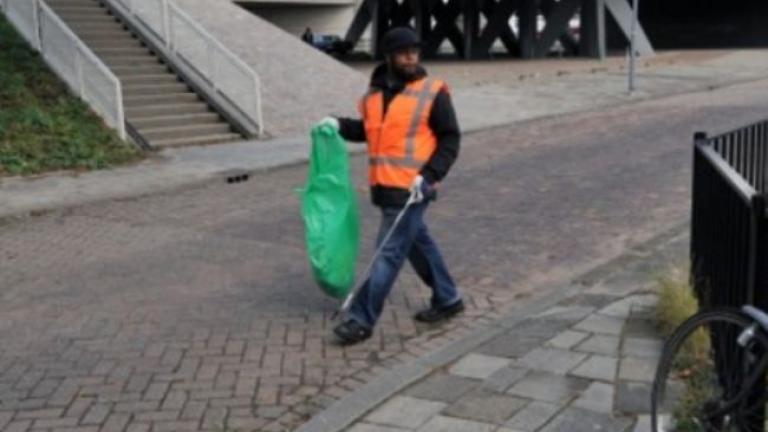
{"x":474,"y":27}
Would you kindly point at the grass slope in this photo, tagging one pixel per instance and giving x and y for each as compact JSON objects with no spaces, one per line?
{"x":43,"y":127}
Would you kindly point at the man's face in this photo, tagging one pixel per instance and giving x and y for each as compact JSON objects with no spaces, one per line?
{"x":406,"y":60}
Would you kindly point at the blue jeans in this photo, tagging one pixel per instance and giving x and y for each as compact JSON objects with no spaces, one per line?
{"x":410,"y":240}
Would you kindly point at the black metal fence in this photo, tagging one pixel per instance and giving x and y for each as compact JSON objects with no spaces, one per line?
{"x":729,"y":232}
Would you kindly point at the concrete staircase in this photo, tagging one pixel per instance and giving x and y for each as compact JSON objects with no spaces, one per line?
{"x":164,"y":110}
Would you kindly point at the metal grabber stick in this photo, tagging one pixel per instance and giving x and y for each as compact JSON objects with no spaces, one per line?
{"x":364,"y":276}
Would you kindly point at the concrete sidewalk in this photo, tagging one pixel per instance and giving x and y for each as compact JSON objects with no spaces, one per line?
{"x":582,"y":360}
{"x":479,"y":107}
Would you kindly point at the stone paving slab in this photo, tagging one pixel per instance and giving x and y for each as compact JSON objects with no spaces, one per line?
{"x":637,"y":369}
{"x":503,"y":379}
{"x":567,"y":383}
{"x":405,"y":412}
{"x":554,"y":360}
{"x":597,"y":367}
{"x":548,"y":387}
{"x":567,"y":339}
{"x":448,"y":424}
{"x":598,"y":397}
{"x":607,"y":345}
{"x":445,"y":388}
{"x":533,"y":416}
{"x":578,"y":420}
{"x":485,"y":406}
{"x":478,"y":366}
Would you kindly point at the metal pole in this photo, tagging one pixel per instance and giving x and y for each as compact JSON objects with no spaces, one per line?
{"x":632,"y":45}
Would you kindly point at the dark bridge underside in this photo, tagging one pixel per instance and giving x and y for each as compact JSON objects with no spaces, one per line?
{"x":474,"y":27}
{"x":706,"y":23}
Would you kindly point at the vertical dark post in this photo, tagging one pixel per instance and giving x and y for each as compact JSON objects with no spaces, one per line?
{"x":471,"y":13}
{"x":764,"y":159}
{"x":422,"y":18}
{"x":360,"y":22}
{"x":699,"y":139}
{"x":528,"y":15}
{"x":757,"y":220}
{"x":378,"y":27}
{"x":382,"y":22}
{"x":592,"y":43}
{"x":757,"y":296}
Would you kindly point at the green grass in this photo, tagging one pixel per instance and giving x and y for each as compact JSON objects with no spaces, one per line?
{"x":692,"y":367}
{"x":43,"y":127}
{"x":676,"y":299}
{"x":677,"y":303}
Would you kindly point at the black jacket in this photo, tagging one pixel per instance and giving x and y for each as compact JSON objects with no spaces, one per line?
{"x":442,"y":120}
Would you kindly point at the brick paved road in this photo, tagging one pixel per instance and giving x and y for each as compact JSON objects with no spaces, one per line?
{"x":195,"y":310}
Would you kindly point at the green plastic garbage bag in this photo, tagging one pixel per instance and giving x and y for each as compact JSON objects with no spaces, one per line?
{"x":330,"y":211}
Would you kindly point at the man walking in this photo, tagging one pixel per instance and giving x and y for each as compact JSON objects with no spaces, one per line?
{"x":413,"y":139}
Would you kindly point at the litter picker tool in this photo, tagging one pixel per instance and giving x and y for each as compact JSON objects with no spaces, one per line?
{"x":366,"y":273}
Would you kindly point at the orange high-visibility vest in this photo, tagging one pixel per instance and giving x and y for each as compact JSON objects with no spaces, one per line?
{"x":400,"y":142}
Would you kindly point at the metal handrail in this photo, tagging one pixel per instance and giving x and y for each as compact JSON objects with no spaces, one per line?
{"x":237,"y":61}
{"x":740,"y":185}
{"x":714,"y":138}
{"x":168,"y":9}
{"x":78,"y":83}
{"x":34,"y":38}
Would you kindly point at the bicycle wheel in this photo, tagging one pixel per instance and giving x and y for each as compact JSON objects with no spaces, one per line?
{"x":706,"y":378}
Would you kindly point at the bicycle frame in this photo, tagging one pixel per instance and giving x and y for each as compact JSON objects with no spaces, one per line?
{"x":752,"y":379}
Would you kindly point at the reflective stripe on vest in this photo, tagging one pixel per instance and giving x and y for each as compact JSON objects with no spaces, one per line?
{"x":400,"y":142}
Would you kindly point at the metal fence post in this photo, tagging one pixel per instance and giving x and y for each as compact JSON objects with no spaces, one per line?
{"x":699,"y":139}
{"x":79,"y":72}
{"x":166,"y":23}
{"x":756,"y":223}
{"x":633,"y":45}
{"x":37,"y":26}
{"x":212,"y":67}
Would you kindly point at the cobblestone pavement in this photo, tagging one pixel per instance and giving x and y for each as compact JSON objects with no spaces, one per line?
{"x":584,"y":364}
{"x":195,"y":310}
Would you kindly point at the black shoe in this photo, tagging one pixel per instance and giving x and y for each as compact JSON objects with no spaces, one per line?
{"x":351,"y":332}
{"x":438,"y":314}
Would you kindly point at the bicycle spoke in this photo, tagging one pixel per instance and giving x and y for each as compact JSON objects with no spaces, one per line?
{"x":703,"y":375}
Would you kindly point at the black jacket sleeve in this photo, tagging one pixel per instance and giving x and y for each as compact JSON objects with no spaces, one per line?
{"x":443,"y":122}
{"x":352,"y":129}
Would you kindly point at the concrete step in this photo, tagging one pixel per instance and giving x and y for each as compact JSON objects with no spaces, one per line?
{"x":93,"y":39}
{"x":131,"y":51}
{"x":74,"y":6}
{"x":120,"y":44}
{"x":149,"y":79}
{"x":57,"y":4}
{"x":150,"y":111}
{"x":130,"y":60}
{"x":174,"y":120}
{"x":103,"y":33}
{"x":161,"y":99}
{"x":96,"y":15}
{"x":200,"y":140}
{"x":128,"y":71}
{"x":102,"y":24}
{"x":179,"y":132}
{"x":79,"y":11}
{"x":154,"y":89}
{"x":72,"y":2}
